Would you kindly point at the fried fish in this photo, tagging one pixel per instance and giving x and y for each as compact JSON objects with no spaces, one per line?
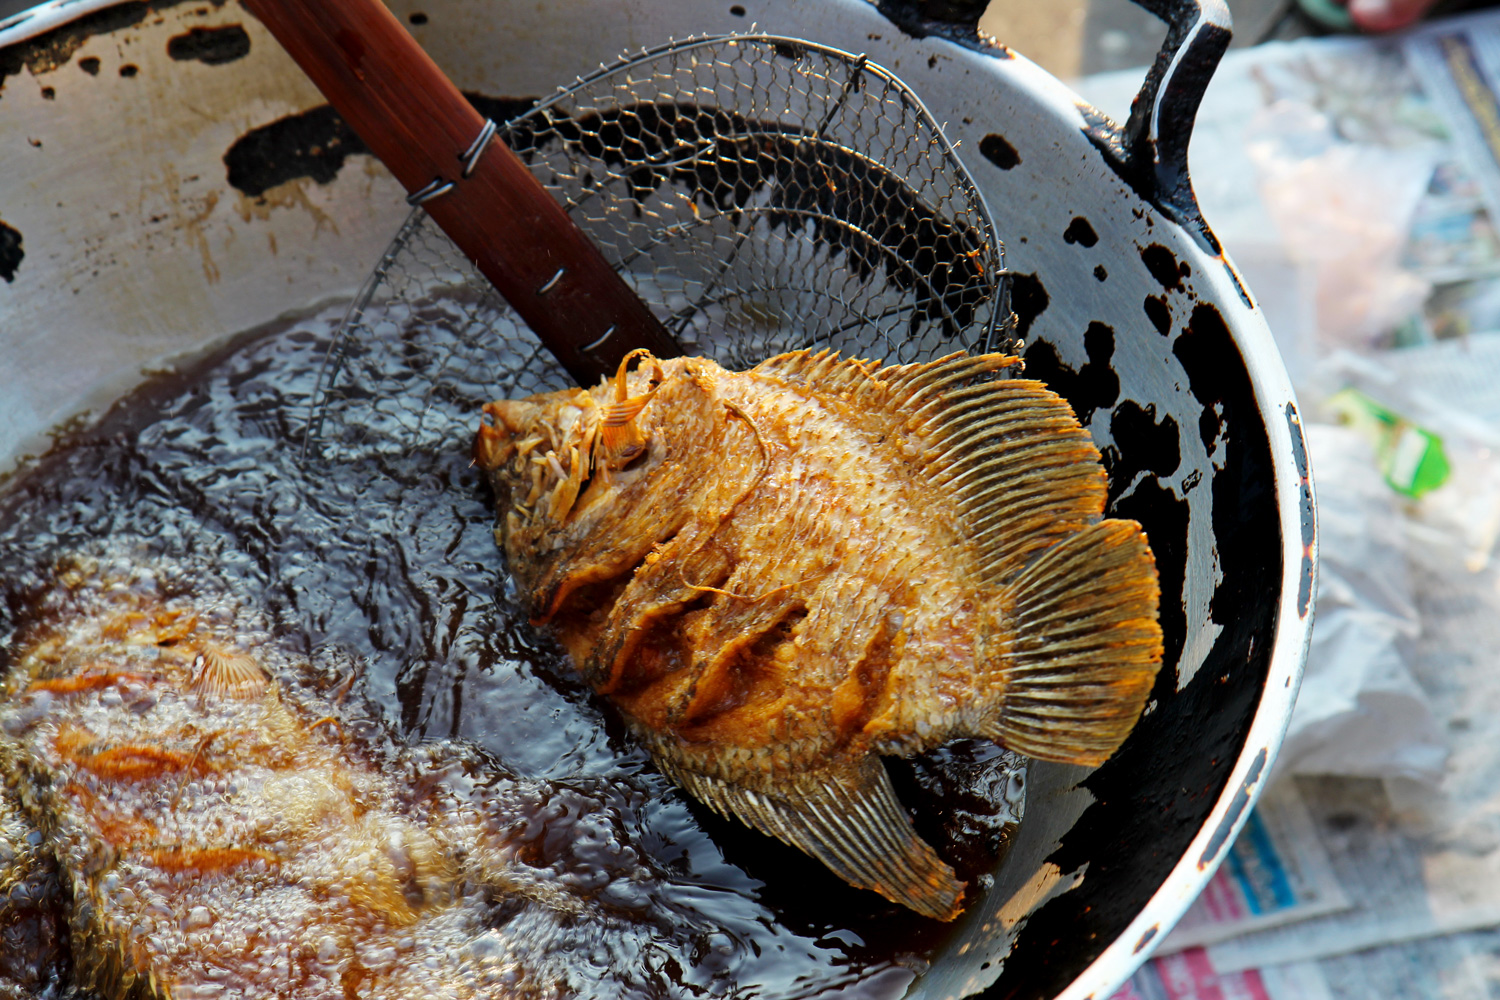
{"x":781,"y":575}
{"x":220,"y":838}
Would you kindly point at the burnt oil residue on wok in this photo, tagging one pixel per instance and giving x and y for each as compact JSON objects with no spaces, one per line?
{"x":314,"y":144}
{"x":1094,"y":386}
{"x":55,"y":48}
{"x":953,"y":20}
{"x":1159,"y":312}
{"x":11,"y":251}
{"x":1237,"y":806}
{"x":1140,"y":444}
{"x":1165,"y":267}
{"x":212,"y":46}
{"x":1029,"y":299}
{"x":1143,"y":452}
{"x":998,"y":150}
{"x":1149,"y":824}
{"x":384,"y":565}
{"x":1079,"y":231}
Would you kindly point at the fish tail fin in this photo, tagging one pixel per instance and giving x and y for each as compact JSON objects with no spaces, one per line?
{"x":852,"y":822}
{"x":1076,"y":646}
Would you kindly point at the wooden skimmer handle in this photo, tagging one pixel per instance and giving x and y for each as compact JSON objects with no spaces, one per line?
{"x":415,"y":120}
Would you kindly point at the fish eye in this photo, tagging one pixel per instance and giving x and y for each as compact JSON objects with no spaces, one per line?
{"x":630,"y":456}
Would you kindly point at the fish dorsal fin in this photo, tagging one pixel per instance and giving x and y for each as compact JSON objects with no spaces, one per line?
{"x":853,"y":823}
{"x":823,"y":370}
{"x":1022,"y":471}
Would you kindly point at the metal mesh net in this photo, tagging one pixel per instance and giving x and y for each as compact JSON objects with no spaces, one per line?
{"x":761,"y":194}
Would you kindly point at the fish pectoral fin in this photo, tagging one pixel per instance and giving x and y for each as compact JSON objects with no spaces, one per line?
{"x":1080,"y":649}
{"x":852,"y":822}
{"x":620,"y":437}
{"x":227,"y":673}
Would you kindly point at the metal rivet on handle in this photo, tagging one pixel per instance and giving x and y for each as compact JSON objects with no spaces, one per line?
{"x":607,"y":334}
{"x":470,"y":156}
{"x":436,"y":188}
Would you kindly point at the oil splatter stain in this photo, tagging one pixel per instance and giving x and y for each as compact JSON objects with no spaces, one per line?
{"x":213,"y":46}
{"x":55,"y":48}
{"x":998,"y":151}
{"x":1159,"y":313}
{"x":1094,"y":386}
{"x":1080,"y":232}
{"x":292,"y":194}
{"x":315,"y":143}
{"x":1029,"y":299}
{"x":1234,"y":432}
{"x":1167,"y":528}
{"x":1141,"y":444}
{"x":193,"y":226}
{"x":10,"y":252}
{"x":1164,"y":267}
{"x":955,"y":22}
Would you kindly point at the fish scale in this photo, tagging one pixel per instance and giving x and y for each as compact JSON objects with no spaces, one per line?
{"x":965,"y":506}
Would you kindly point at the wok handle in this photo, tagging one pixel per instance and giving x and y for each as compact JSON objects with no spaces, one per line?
{"x":1151,"y":151}
{"x":415,"y":120}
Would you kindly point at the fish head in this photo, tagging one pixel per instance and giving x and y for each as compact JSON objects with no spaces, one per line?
{"x":556,"y":458}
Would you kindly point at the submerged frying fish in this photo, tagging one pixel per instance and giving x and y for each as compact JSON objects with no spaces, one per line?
{"x":220,"y":838}
{"x":781,"y":574}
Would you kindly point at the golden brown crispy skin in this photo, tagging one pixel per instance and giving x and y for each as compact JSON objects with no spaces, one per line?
{"x":779,"y":575}
{"x":218,"y":838}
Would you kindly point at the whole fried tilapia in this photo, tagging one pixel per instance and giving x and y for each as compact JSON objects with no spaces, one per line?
{"x":223,"y":839}
{"x":781,"y":574}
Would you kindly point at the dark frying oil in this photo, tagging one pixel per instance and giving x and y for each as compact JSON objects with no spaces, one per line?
{"x":385,"y":566}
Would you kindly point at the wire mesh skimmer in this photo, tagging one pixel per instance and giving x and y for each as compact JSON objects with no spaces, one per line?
{"x":760,"y":193}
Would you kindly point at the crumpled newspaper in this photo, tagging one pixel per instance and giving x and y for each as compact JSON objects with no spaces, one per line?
{"x":1363,"y":709}
{"x":1360,"y":712}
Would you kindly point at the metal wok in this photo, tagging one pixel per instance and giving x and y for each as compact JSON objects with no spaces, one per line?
{"x":158,"y":195}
